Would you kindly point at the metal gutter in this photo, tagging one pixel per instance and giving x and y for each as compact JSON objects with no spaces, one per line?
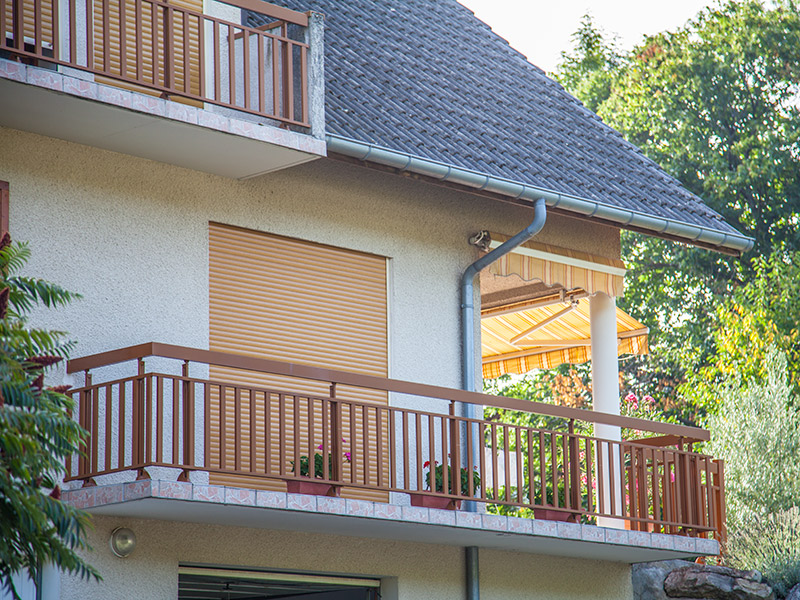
{"x":403,"y":161}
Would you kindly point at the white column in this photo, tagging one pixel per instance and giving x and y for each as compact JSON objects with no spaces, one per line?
{"x":605,"y":392}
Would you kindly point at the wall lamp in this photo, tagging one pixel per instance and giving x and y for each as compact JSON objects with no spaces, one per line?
{"x":122,"y":542}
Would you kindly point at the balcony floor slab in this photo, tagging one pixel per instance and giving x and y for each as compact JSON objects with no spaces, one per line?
{"x":70,"y":107}
{"x":183,"y":501}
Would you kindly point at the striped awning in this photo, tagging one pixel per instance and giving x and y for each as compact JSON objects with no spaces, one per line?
{"x":546,"y":336}
{"x":553,"y":265}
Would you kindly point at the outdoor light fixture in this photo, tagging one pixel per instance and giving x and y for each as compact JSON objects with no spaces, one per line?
{"x":122,"y":542}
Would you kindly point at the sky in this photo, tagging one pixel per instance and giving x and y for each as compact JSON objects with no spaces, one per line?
{"x":541,"y":30}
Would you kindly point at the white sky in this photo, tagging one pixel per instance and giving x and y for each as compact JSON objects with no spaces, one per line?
{"x":542,"y":29}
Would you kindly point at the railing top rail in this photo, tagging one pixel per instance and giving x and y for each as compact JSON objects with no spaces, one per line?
{"x":274,"y":367}
{"x":270,"y":10}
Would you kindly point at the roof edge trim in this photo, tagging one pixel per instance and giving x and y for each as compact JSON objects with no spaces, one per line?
{"x":522,"y":191}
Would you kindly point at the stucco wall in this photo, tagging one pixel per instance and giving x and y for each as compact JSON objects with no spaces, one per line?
{"x":131,"y":235}
{"x":419,"y":571}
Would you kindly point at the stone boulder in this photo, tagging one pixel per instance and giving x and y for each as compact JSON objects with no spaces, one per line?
{"x":648,"y":578}
{"x":710,"y":582}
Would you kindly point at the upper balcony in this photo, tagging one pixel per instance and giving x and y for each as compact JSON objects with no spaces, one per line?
{"x":166,"y":81}
{"x":175,"y":442}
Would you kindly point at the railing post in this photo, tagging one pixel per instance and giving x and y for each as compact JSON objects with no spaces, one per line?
{"x":455,"y":453}
{"x":188,"y":420}
{"x":336,"y":436}
{"x":84,"y":418}
{"x":138,"y":419}
{"x":574,"y":468}
{"x":720,"y":525}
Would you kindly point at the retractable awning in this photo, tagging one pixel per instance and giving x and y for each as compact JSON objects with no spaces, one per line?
{"x":542,"y":337}
{"x":553,"y":265}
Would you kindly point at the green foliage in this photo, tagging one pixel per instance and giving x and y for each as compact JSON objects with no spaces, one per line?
{"x":762,"y":314}
{"x":438,"y":477}
{"x":770,"y":544}
{"x":715,"y":104}
{"x":36,"y":433}
{"x":588,"y":71}
{"x":757,"y":433}
{"x":319,"y":465}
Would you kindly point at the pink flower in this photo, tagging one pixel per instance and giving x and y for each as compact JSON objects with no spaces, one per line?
{"x":649,"y":399}
{"x":347,"y":456}
{"x":631,"y":397}
{"x":319,"y":447}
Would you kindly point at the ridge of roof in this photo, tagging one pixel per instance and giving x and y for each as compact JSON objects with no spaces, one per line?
{"x":428,"y":79}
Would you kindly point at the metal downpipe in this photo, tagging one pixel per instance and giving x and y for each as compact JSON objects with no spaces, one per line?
{"x":473,"y":582}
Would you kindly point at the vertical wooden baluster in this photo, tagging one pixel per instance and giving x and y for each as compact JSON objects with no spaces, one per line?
{"x":246,"y":66}
{"x":365,"y":442}
{"x":121,"y":426}
{"x":232,"y":64}
{"x":108,"y":410}
{"x":602,"y":478}
{"x":188,"y":417}
{"x":138,"y":34}
{"x":282,"y":438}
{"x":55,"y":26}
{"x":106,"y":9}
{"x":237,"y":428}
{"x":336,"y":436}
{"x":418,"y":441}
{"x":380,"y":450}
{"x":531,"y":470}
{"x":37,"y":27}
{"x":276,"y":77}
{"x":187,"y":69}
{"x":327,"y":469}
{"x":155,"y":18}
{"x":169,"y":49}
{"x":356,"y":457}
{"x":447,"y":471}
{"x":589,"y":465}
{"x":304,"y":84}
{"x":95,"y":431}
{"x":390,"y":418}
{"x":312,"y":450}
{"x":176,"y":420}
{"x":148,"y":410}
{"x":223,"y":427}
{"x":495,"y":470}
{"x":73,"y":33}
{"x":432,"y":454}
{"x":296,"y":438}
{"x":201,"y":33}
{"x":520,"y":481}
{"x":554,"y":463}
{"x":288,"y":81}
{"x":262,"y":93}
{"x":253,"y":451}
{"x":470,"y":459}
{"x":123,"y":43}
{"x":159,"y":419}
{"x":267,"y":433}
{"x":217,"y":42}
{"x":207,"y":425}
{"x":89,"y":35}
{"x":542,"y":469}
{"x":614,"y":479}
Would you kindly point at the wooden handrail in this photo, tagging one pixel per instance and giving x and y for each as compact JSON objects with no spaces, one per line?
{"x":274,"y":367}
{"x":270,"y":10}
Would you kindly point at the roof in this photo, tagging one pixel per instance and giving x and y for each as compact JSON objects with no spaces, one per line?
{"x":429,"y":79}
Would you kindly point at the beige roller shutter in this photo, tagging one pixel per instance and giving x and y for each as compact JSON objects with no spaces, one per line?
{"x":29,"y":24}
{"x":108,"y":42}
{"x":300,"y":302}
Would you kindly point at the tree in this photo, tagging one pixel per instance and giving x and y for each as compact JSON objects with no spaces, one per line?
{"x":36,"y":432}
{"x":715,"y":104}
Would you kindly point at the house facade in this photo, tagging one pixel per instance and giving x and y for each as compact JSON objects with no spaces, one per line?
{"x":270,"y":239}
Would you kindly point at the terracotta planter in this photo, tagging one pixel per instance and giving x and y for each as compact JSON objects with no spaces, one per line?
{"x":434,"y":502}
{"x":555,"y":514}
{"x":312,"y":488}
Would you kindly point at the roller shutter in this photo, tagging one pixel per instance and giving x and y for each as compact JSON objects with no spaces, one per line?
{"x":300,"y":302}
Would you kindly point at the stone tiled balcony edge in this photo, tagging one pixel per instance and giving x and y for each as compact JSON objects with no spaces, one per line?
{"x":79,"y":87}
{"x":104,"y":495}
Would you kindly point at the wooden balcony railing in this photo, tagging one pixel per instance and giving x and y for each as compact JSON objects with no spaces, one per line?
{"x":198,"y":424}
{"x":155,"y":46}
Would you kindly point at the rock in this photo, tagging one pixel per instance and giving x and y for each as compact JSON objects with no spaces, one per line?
{"x":710,"y":582}
{"x":794,"y":593}
{"x":648,"y":578}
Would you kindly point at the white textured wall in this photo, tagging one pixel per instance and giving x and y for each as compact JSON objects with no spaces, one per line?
{"x":131,"y":235}
{"x":422,"y":571}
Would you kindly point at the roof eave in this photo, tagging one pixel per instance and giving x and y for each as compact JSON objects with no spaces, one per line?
{"x":722,"y":241}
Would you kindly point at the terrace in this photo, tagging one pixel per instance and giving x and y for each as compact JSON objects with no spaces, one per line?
{"x":244,"y":444}
{"x":173,"y":81}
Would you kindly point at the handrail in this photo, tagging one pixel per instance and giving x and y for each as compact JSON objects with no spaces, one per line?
{"x":274,"y":367}
{"x":270,"y":10}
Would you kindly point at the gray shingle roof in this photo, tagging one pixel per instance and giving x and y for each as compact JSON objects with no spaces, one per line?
{"x":427,"y":78}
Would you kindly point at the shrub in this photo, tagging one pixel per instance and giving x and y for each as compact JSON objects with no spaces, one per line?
{"x":770,"y":543}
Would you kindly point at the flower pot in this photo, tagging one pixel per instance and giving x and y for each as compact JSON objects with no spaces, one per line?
{"x":434,"y":502}
{"x":312,"y":488}
{"x":555,"y":514}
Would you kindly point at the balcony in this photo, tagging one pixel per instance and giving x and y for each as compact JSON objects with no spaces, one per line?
{"x":169,"y":425}
{"x":165,"y":81}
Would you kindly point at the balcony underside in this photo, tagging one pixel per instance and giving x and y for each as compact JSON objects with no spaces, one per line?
{"x":67,"y":107}
{"x":185,"y":502}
